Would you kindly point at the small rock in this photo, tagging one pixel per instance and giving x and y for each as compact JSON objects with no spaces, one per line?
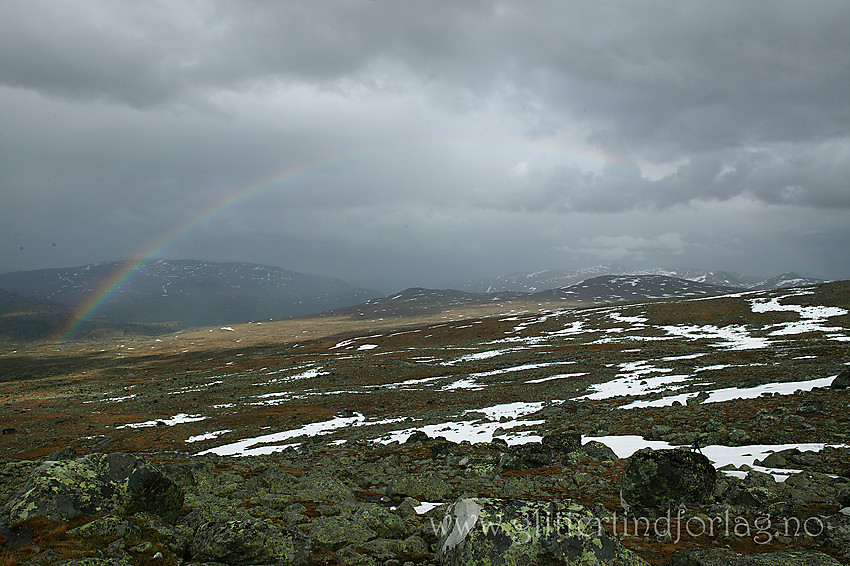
{"x":701,"y":396}
{"x":66,"y":454}
{"x":658,"y":431}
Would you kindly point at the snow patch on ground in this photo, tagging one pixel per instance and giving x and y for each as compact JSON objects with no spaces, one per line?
{"x":206,"y":436}
{"x":175,"y":420}
{"x":554,"y":377}
{"x":477,"y":356}
{"x":634,"y":381}
{"x":812,"y":318}
{"x":458,"y":431}
{"x":626,"y":445}
{"x":270,"y":442}
{"x":731,"y":393}
{"x":732,"y":337}
{"x":518,"y":368}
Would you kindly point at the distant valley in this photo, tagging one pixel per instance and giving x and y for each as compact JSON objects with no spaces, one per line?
{"x":188,"y":292}
{"x":170,"y":294}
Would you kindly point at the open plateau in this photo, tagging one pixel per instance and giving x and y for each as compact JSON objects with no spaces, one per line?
{"x":692,"y":430}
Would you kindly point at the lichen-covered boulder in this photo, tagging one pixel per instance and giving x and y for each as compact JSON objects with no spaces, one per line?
{"x":337,"y":532}
{"x":659,"y":478}
{"x":326,"y":489}
{"x":243,"y":543}
{"x":108,"y":526}
{"x":726,"y":557}
{"x":527,"y":456}
{"x":13,"y":475}
{"x":95,"y":484}
{"x":381,"y":520}
{"x":516,"y":531}
{"x":562,"y":442}
{"x":424,"y":487}
{"x":837,"y":532}
{"x":601,"y":452}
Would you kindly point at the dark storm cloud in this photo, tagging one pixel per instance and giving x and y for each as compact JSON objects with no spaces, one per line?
{"x":443,"y":137}
{"x":813,"y":177}
{"x":674,"y":76}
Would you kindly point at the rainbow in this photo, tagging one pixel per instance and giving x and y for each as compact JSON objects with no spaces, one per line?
{"x":584,"y":155}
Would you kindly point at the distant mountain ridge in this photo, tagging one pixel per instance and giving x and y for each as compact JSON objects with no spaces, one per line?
{"x":604,"y":289}
{"x":200,"y":293}
{"x":533,"y":282}
{"x":191,"y":292}
{"x":627,"y":288}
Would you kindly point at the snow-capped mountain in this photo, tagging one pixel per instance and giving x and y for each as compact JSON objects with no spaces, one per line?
{"x":191,"y":292}
{"x":519,"y":282}
{"x":627,"y":288}
{"x":786,"y":280}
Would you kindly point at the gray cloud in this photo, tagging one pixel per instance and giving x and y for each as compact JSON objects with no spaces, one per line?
{"x":426,"y":141}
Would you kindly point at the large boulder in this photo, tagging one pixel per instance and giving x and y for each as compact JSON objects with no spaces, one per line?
{"x":562,"y":442}
{"x":515,"y":531}
{"x":837,"y":532}
{"x":844,"y":495}
{"x":247,"y":542}
{"x":422,"y":486}
{"x":337,"y":531}
{"x":602,"y":452}
{"x":661,"y":478}
{"x":95,"y":484}
{"x":726,"y":557}
{"x":322,"y":488}
{"x":841,"y":381}
{"x":527,"y":456}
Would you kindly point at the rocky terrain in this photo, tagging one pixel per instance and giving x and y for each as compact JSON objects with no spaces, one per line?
{"x":708,"y":430}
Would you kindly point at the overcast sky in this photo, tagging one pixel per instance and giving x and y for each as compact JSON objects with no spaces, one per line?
{"x":424,"y":141}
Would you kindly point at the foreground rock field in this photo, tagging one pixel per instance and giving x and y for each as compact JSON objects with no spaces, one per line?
{"x":404,"y":440}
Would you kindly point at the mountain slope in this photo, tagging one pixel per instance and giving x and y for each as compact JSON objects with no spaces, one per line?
{"x":191,"y":292}
{"x":26,"y":318}
{"x":418,"y":301}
